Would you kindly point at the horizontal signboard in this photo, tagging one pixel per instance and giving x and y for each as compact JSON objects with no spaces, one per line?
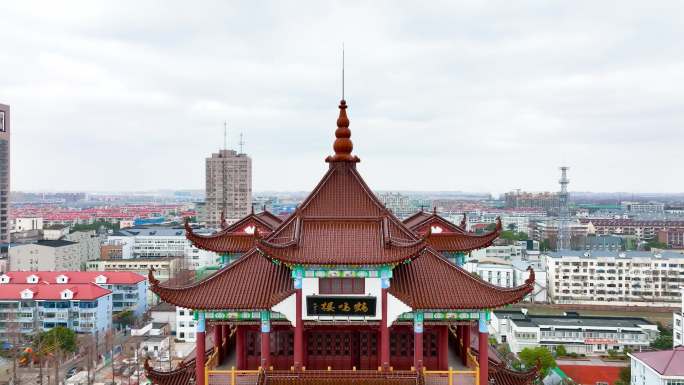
{"x":340,"y":306}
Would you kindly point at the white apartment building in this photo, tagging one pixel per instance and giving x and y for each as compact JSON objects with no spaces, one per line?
{"x":678,"y":325}
{"x":47,"y":255}
{"x":499,"y":251}
{"x":129,"y":290}
{"x":642,"y":207}
{"x":165,"y":268}
{"x":504,"y":273}
{"x":155,"y":242}
{"x":185,"y":325}
{"x":633,"y":278}
{"x":27,"y":224}
{"x":28,"y":307}
{"x":664,"y":367}
{"x":590,"y":335}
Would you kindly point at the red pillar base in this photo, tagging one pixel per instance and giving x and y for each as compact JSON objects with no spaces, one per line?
{"x":483,"y":359}
{"x":418,"y":350}
{"x":200,"y":358}
{"x":465,"y":335}
{"x":240,"y":348}
{"x":384,"y":334}
{"x":266,"y":350}
{"x":298,"y":332}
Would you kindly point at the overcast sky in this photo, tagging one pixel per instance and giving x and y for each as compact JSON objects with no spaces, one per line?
{"x":457,"y":95}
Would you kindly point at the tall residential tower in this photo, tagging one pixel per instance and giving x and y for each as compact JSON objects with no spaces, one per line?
{"x":4,"y":177}
{"x":563,"y":212}
{"x":229,"y":186}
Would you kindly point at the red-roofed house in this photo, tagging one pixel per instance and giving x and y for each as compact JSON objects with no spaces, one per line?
{"x":30,"y":305}
{"x":592,"y":374}
{"x":129,"y":290}
{"x":664,"y":367}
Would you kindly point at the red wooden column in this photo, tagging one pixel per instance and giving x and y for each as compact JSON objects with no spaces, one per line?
{"x":218,"y":338}
{"x":384,"y":327}
{"x":465,"y":337}
{"x":443,"y":347}
{"x":226,"y":336}
{"x":418,"y":340}
{"x":200,"y":349}
{"x":266,"y":339}
{"x":240,"y":348}
{"x":483,"y":348}
{"x":299,"y":326}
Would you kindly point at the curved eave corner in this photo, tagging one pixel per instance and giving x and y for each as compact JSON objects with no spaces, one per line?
{"x":463,"y":242}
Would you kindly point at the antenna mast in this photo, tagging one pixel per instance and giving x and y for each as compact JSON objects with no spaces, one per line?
{"x":225,"y":135}
{"x":342,"y":71}
{"x":242,"y":144}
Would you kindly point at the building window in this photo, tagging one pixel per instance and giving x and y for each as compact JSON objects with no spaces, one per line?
{"x":341,"y":286}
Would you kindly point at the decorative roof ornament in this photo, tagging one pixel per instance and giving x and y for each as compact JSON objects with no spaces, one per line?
{"x":530,"y":279}
{"x":343,"y":145}
{"x":150,"y":277}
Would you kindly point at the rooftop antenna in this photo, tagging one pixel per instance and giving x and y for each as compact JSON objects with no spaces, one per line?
{"x":242,"y":144}
{"x":342,"y":70}
{"x":225,"y":135}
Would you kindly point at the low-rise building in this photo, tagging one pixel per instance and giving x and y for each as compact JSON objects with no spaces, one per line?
{"x":165,"y":269}
{"x":45,"y":255}
{"x":664,"y":367}
{"x":185,"y":324}
{"x":129,"y":290}
{"x":156,"y":242}
{"x":39,"y":306}
{"x":678,"y":325}
{"x":511,"y":273}
{"x":26,"y":224}
{"x":632,"y":278}
{"x":590,"y":335}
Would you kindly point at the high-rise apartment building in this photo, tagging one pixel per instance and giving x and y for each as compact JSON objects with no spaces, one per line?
{"x":228,"y":186}
{"x":4,"y":177}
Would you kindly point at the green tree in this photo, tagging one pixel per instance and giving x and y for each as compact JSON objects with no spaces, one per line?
{"x":55,"y":342}
{"x":125,"y":318}
{"x":655,"y":244}
{"x":664,"y":340}
{"x":539,"y":355}
{"x":560,"y":351}
{"x":625,"y":376}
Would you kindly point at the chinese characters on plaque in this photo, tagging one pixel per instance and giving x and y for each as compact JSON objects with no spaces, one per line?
{"x":340,"y":306}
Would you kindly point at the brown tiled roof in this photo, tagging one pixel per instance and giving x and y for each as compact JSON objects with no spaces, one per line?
{"x":268,"y":217}
{"x":342,"y":222}
{"x":252,"y":282}
{"x":421,"y":222}
{"x":232,"y":239}
{"x":431,"y":282}
{"x":461,"y":242}
{"x":501,"y":375}
{"x":353,"y":241}
{"x":178,"y":376}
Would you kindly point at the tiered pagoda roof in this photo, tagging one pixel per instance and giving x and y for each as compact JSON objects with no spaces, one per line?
{"x":341,"y":223}
{"x":423,"y":222}
{"x":238,"y":237}
{"x":432,"y":282}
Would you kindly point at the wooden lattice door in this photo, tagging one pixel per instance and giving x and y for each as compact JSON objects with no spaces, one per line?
{"x":368,"y":350}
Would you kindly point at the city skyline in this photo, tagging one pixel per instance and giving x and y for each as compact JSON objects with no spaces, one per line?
{"x":460,"y":87}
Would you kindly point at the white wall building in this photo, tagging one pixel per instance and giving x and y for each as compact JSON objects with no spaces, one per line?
{"x":504,"y":273}
{"x":678,"y":325}
{"x":590,"y":335}
{"x":665,"y":367}
{"x":185,"y":325}
{"x":633,"y":278}
{"x":26,"y":224}
{"x":155,"y":242}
